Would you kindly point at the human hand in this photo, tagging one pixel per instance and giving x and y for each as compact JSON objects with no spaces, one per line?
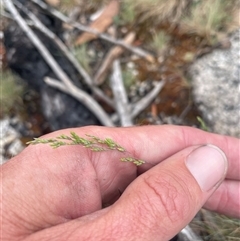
{"x":57,"y":194}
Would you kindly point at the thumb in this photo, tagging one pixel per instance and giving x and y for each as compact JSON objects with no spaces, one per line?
{"x":163,"y":200}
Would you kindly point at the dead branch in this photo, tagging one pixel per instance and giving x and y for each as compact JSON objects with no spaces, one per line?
{"x":37,"y":43}
{"x":41,"y":27}
{"x":138,"y":51}
{"x":144,"y":102}
{"x":111,"y":56}
{"x":103,"y":117}
{"x":5,"y":14}
{"x":83,"y":97}
{"x":120,"y":96}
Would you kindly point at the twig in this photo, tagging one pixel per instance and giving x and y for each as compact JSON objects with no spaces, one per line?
{"x":144,"y":102}
{"x":106,"y":37}
{"x":83,"y":97}
{"x":5,"y":14}
{"x":120,"y":95}
{"x":66,"y":82}
{"x":68,"y":54}
{"x":37,"y":43}
{"x":111,"y":55}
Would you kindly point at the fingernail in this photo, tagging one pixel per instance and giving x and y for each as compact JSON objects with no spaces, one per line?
{"x":208,"y":164}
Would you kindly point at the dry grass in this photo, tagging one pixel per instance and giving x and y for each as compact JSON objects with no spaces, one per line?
{"x":215,"y":227}
{"x":208,"y":17}
{"x":159,"y":10}
{"x":203,"y":17}
{"x":85,"y":6}
{"x":206,"y":14}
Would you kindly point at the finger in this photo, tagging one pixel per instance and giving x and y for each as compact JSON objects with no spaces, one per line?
{"x":226,"y":199}
{"x":156,"y":143}
{"x":158,"y":204}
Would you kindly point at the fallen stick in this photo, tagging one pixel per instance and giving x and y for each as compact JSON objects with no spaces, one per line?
{"x":83,"y":97}
{"x":66,"y":82}
{"x":142,"y":104}
{"x":113,"y":54}
{"x":120,"y":96}
{"x":145,"y":102}
{"x":41,"y":27}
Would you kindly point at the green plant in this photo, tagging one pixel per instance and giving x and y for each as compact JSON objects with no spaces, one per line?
{"x":127,"y":15}
{"x":82,"y":56}
{"x":92,"y":142}
{"x":202,"y":123}
{"x":128,"y":78}
{"x":160,"y":41}
{"x":11,"y":91}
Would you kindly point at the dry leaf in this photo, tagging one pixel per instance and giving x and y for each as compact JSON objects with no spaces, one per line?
{"x":53,"y":3}
{"x":101,"y":23}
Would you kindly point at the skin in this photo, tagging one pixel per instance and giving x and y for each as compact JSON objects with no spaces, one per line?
{"x":57,"y":194}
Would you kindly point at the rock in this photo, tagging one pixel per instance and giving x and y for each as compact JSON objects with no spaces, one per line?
{"x":216,"y":88}
{"x":10,"y":144}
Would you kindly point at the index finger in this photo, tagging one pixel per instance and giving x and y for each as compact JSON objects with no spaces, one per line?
{"x":155,"y":143}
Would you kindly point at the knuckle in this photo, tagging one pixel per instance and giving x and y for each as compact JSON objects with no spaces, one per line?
{"x":169,"y":199}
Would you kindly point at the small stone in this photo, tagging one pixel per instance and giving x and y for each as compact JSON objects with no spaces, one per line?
{"x":15,"y":148}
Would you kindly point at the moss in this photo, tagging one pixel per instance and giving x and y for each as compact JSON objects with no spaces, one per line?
{"x":11,"y":92}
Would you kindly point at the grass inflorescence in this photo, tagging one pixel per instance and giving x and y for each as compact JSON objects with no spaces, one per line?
{"x":91,"y":142}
